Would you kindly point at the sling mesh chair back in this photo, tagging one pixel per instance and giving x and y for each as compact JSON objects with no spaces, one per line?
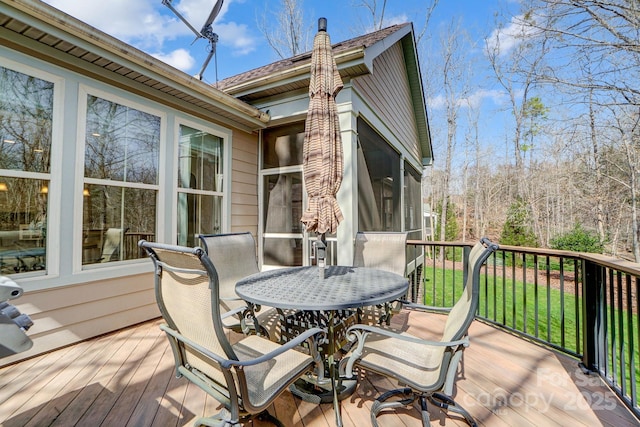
{"x":111,"y":248}
{"x":427,"y":369}
{"x":244,"y":377}
{"x":234,"y":255}
{"x":384,"y":251}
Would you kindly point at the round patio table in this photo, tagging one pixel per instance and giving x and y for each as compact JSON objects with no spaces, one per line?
{"x":342,"y":288}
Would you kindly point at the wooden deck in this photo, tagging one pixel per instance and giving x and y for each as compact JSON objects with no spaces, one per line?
{"x":126,"y":379}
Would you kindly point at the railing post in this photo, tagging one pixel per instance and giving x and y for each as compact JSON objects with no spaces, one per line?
{"x":594,"y":313}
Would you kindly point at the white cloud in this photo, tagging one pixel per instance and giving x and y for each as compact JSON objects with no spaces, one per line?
{"x":150,"y":26}
{"x":237,"y":37}
{"x":472,"y":101}
{"x":503,"y":40}
{"x":475,"y":99}
{"x":179,"y":58}
{"x":136,"y":22}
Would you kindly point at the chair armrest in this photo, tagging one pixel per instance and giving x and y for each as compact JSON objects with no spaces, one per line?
{"x":289,"y":345}
{"x":359,"y":334}
{"x":226,"y":363}
{"x":366,"y":329}
{"x":233,"y":312}
{"x":429,"y":308}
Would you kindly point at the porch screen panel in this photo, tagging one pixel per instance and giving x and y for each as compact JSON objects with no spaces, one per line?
{"x":412,"y":199}
{"x":121,"y":180}
{"x":379,"y":191}
{"x":26,"y":117}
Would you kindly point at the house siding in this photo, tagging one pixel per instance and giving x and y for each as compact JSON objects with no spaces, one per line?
{"x":387,"y":88}
{"x":244,"y":186}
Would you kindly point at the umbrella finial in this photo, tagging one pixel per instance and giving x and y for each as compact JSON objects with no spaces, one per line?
{"x":322,"y":24}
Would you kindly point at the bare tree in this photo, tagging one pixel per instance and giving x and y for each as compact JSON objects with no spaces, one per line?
{"x":516,"y":52}
{"x":286,"y":30}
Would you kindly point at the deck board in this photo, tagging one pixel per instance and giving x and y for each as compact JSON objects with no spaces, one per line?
{"x":128,"y":378}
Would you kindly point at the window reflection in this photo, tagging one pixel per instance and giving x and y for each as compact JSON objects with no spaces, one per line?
{"x":23,"y":217}
{"x":122,"y":143}
{"x":121,"y":153}
{"x":26,"y":116}
{"x":200,"y":175}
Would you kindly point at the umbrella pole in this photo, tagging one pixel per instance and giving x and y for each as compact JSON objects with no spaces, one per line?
{"x":321,"y":253}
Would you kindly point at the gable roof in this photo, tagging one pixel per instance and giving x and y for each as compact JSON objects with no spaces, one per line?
{"x":346,"y":53}
{"x":354,"y":57}
{"x":42,"y":31}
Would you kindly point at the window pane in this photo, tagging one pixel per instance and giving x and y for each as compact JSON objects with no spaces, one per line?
{"x":23,"y":224}
{"x":200,"y":165}
{"x":283,"y":201}
{"x":122,"y":143}
{"x":282,"y":251}
{"x":283,"y":146}
{"x":26,"y":112}
{"x":114,"y":220}
{"x":198,"y":214}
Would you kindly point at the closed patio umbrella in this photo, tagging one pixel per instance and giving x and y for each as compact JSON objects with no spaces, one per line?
{"x":322,"y":150}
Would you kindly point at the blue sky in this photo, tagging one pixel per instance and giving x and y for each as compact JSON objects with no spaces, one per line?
{"x":153,"y":28}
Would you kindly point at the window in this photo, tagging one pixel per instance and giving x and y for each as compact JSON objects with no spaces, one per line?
{"x":26,"y":117}
{"x":120,"y":180}
{"x":283,"y":195}
{"x":200,"y":191}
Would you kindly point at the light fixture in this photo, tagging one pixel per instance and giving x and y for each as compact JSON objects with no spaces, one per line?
{"x":44,"y":190}
{"x":3,"y":186}
{"x":95,"y":134}
{"x":9,"y":141}
{"x":85,"y":192}
{"x":38,"y":150}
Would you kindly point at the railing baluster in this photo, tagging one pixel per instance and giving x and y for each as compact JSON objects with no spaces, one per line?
{"x":577,"y":300}
{"x":548,"y":299}
{"x":524,"y":293}
{"x":630,"y":348}
{"x":535,"y":295}
{"x":513,"y":290}
{"x":562,"y":311}
{"x":614,"y":338}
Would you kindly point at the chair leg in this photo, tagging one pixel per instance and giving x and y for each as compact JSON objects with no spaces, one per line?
{"x":407,"y":397}
{"x":222,"y":419}
{"x":446,"y":403}
{"x":219,"y":420}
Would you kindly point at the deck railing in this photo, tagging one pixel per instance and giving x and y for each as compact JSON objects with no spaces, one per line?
{"x":584,"y":305}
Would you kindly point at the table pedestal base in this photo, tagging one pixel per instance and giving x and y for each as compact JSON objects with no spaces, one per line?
{"x":321,"y":393}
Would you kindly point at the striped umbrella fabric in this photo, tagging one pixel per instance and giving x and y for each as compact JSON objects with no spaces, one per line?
{"x":323,"y":162}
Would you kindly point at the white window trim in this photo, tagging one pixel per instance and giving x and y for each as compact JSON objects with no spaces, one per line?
{"x":83,"y":92}
{"x":227,"y":141}
{"x":55,"y":169}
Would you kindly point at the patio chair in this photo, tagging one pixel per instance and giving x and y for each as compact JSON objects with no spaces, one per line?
{"x":427,"y":369}
{"x":112,"y":244}
{"x":245,"y":377}
{"x":234,"y":256}
{"x":385,"y":251}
